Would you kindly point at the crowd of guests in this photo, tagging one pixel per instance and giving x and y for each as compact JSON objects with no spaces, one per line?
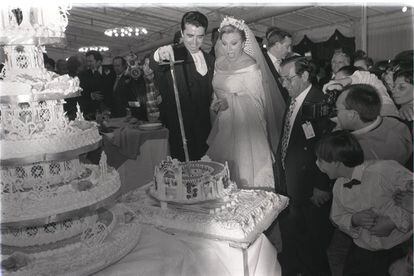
{"x":338,"y":145}
{"x":115,"y":89}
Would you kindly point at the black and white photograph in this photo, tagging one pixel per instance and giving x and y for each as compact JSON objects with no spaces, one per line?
{"x":178,"y":138}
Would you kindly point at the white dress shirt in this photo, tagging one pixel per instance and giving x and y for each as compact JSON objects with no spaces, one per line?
{"x":298,"y":103}
{"x":199,"y":61}
{"x":379,"y":181}
{"x":276,"y":62}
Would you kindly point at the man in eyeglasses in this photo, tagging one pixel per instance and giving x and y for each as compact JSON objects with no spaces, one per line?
{"x":279,"y":45}
{"x":305,"y":226}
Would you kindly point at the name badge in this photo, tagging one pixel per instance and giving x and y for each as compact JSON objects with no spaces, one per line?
{"x":308,"y":130}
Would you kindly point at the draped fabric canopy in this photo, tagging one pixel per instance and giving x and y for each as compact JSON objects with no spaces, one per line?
{"x":87,"y":22}
{"x":323,"y":50}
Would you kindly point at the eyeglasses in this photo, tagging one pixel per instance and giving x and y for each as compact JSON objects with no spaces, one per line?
{"x":287,"y":79}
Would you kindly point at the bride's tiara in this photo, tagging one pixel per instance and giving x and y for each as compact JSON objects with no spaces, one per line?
{"x":228,"y":20}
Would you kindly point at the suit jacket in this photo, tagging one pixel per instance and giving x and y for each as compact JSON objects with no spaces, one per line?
{"x":195,"y":94}
{"x":276,"y":76}
{"x":122,"y":93}
{"x":302,"y":174}
{"x":95,"y":82}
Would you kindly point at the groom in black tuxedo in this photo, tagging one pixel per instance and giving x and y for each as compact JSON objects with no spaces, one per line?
{"x":279,"y":43}
{"x":194,"y":76}
{"x":305,"y":226}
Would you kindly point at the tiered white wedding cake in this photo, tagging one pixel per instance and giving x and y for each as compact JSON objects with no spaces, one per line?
{"x":58,"y":215}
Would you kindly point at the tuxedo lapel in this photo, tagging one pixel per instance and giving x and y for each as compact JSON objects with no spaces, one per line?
{"x":210,"y":65}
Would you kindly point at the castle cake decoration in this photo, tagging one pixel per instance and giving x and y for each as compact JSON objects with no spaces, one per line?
{"x":190,"y":182}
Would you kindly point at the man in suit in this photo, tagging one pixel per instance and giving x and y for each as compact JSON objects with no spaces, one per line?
{"x":193,"y":77}
{"x":279,"y":45}
{"x":305,"y":226}
{"x":97,"y":84}
{"x":123,"y":88}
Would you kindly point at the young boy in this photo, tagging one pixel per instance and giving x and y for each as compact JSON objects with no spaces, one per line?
{"x":363,"y":205}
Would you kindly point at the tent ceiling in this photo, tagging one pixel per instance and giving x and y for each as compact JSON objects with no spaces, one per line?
{"x":88,"y":23}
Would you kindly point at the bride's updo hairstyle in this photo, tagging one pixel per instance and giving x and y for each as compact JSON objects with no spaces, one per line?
{"x":228,"y":29}
{"x":232,"y":25}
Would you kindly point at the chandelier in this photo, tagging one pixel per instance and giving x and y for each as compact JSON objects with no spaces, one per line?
{"x":93,"y":48}
{"x":126,"y":31}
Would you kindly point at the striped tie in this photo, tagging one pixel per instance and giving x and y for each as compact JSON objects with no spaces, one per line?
{"x":286,"y":131}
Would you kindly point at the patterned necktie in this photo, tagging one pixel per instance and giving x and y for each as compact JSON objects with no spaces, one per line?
{"x":277,"y":65}
{"x":286,"y":131}
{"x":352,"y":183}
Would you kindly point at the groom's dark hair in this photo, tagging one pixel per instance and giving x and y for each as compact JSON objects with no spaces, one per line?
{"x":194,"y":18}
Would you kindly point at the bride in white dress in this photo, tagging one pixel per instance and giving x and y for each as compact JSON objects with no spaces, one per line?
{"x":245,"y":113}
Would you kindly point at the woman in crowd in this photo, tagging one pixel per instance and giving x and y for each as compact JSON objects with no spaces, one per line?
{"x":245,"y":115}
{"x":402,"y":93}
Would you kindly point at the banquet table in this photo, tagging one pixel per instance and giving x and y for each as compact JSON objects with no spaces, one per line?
{"x":134,"y":152}
{"x":162,"y":253}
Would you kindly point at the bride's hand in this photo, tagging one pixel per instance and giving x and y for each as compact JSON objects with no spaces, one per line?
{"x":215,"y":105}
{"x":223,"y":104}
{"x":219,"y":105}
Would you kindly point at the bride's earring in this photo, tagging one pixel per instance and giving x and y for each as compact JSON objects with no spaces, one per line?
{"x":243,"y":45}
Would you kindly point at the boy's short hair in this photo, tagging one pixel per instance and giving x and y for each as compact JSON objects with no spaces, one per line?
{"x":340,"y":146}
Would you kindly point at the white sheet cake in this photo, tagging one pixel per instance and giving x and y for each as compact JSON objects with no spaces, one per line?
{"x":238,"y":217}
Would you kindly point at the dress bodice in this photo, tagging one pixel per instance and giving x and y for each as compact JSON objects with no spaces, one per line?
{"x":235,"y":81}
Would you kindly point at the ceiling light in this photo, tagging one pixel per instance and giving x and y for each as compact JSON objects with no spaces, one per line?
{"x":126,"y":31}
{"x":404,"y":9}
{"x":93,"y":48}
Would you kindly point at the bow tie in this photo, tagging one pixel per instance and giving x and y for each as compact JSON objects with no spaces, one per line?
{"x":352,"y":183}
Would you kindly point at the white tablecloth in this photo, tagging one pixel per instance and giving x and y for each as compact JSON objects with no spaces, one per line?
{"x":139,"y":171}
{"x":159,"y":253}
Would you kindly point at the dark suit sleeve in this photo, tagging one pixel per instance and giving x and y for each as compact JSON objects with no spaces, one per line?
{"x":155,"y":66}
